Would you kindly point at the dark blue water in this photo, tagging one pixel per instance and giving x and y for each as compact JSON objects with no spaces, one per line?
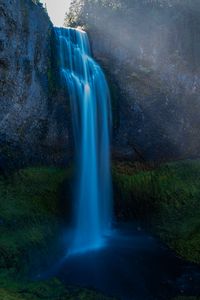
{"x":133,"y":265}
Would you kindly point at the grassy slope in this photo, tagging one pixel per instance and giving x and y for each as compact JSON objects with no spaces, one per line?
{"x":28,"y":212}
{"x":29,"y":216}
{"x":170,"y":196}
{"x":51,"y":290}
{"x":29,"y":219}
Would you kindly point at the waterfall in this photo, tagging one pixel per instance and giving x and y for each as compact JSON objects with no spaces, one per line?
{"x":91,"y":118}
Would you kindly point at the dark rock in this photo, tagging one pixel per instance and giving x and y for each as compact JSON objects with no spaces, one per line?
{"x":1,"y":46}
{"x":150,"y":54}
{"x":34,"y":109}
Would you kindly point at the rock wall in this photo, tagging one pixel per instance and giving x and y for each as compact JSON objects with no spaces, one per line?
{"x":33,"y":107}
{"x":150,"y":53}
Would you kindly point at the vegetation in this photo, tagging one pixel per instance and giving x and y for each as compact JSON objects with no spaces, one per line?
{"x":36,"y":2}
{"x":86,"y":12}
{"x":29,"y":219}
{"x":90,"y":12}
{"x":127,"y":30}
{"x":51,"y":289}
{"x":167,"y":197}
{"x":28,"y":211}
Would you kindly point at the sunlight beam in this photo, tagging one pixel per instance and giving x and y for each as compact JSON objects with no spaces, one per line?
{"x":56,"y":10}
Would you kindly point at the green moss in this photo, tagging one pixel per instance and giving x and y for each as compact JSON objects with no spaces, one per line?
{"x":28,"y":212}
{"x":29,"y":219}
{"x":6,"y":295}
{"x":50,"y":289}
{"x":135,"y":191}
{"x":168,"y":197}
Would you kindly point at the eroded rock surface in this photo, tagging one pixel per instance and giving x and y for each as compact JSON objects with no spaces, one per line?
{"x":150,"y":52}
{"x":33,"y":108}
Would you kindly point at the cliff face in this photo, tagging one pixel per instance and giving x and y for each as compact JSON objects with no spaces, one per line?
{"x":33,"y":112}
{"x":150,"y":53}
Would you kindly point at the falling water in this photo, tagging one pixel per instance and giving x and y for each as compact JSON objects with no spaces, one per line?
{"x":91,"y":117}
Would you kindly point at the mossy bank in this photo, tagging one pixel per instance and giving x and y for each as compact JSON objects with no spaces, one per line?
{"x":30,"y":219}
{"x":166,"y":198}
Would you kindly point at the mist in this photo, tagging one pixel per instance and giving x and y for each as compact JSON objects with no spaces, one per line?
{"x":150,"y":51}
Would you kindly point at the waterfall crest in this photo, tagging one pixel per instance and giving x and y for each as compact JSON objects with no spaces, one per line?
{"x":91,"y":118}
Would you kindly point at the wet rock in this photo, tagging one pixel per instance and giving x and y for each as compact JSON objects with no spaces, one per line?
{"x":154,"y":76}
{"x":33,"y":108}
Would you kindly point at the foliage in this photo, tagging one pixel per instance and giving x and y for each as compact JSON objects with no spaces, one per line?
{"x":28,"y":210}
{"x":50,"y":289}
{"x":36,"y":2}
{"x":168,"y":197}
{"x":90,"y":12}
{"x":29,"y":219}
{"x":121,"y":22}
